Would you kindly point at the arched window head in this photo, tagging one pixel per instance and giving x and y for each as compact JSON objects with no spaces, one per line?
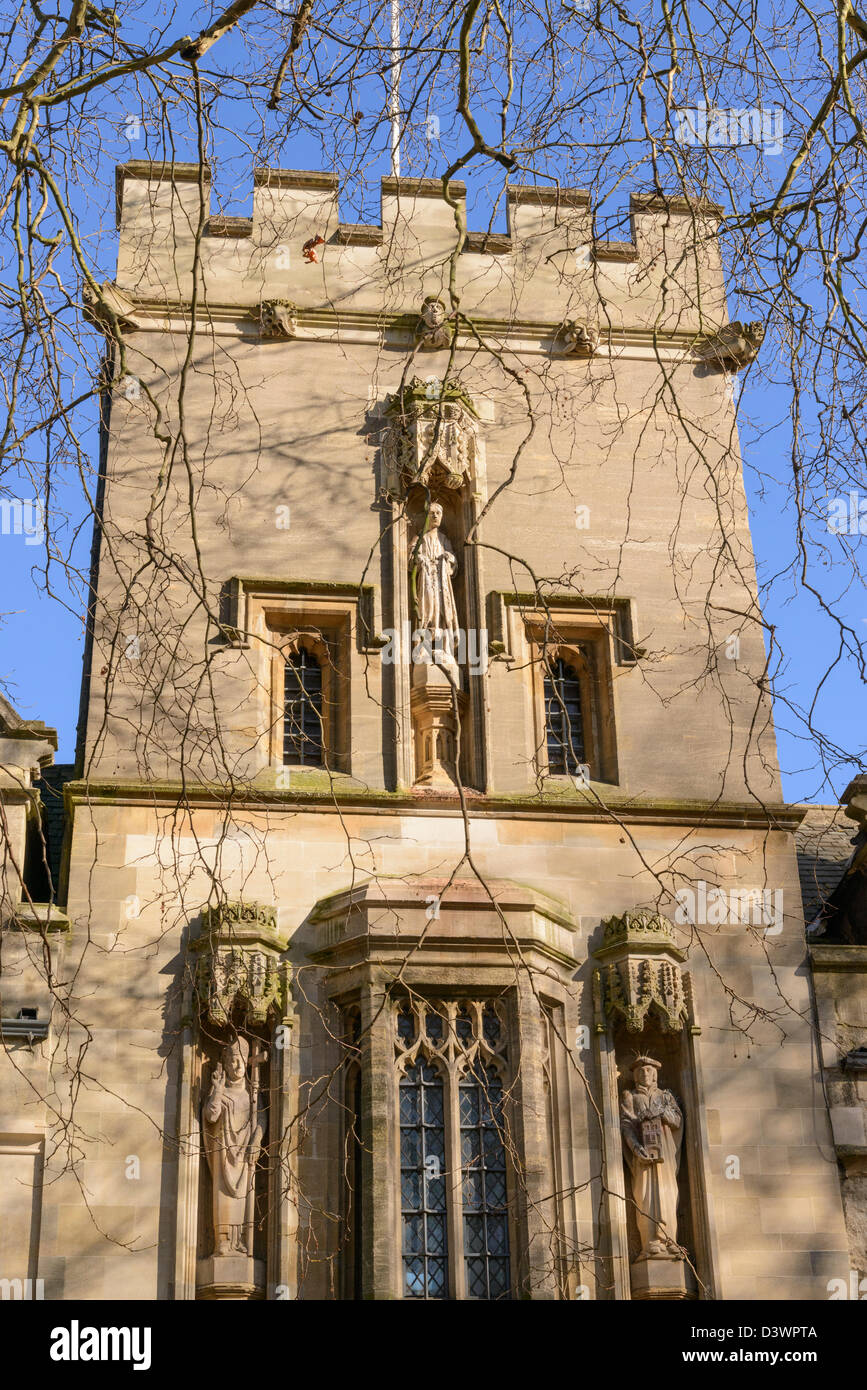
{"x":302,"y":711}
{"x":564,"y":720}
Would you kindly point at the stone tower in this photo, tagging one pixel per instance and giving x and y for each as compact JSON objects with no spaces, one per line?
{"x":431,"y":922}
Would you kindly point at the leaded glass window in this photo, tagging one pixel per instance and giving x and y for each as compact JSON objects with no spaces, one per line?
{"x":422,"y":1182}
{"x":302,"y":711}
{"x":453,"y":1149}
{"x":483,"y":1160}
{"x":564,"y":726}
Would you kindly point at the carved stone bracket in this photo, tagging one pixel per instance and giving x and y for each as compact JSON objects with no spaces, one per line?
{"x":239,"y":965}
{"x":641,"y":972}
{"x":278,"y":318}
{"x":736,"y":345}
{"x":107,"y":300}
{"x":433,"y":330}
{"x":431,"y":431}
{"x":578,"y":338}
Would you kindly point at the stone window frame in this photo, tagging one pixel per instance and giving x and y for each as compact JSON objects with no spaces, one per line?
{"x":329,"y":646}
{"x":352,"y":1140}
{"x":583,"y":641}
{"x":453,"y":1061}
{"x":355,"y":932}
{"x":332,"y":621}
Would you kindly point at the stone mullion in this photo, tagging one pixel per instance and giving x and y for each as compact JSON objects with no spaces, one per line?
{"x":380,"y":1225}
{"x":457,"y":1268}
{"x":531,"y":1139}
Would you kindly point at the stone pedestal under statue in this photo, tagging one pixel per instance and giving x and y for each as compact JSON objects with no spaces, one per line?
{"x":435,"y":722}
{"x":662,"y":1276}
{"x":230,"y":1277}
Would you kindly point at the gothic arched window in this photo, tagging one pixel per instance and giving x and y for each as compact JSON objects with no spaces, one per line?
{"x":453,"y":1150}
{"x":564,"y":721}
{"x":302,"y":710}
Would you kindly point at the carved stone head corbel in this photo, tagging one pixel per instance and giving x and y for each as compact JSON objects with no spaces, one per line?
{"x":734,"y":346}
{"x":434,"y":329}
{"x":278,"y":318}
{"x":578,"y":338}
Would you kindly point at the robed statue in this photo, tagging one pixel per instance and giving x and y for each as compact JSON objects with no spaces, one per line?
{"x":652,"y":1127}
{"x":434,"y":564}
{"x":233,"y":1124}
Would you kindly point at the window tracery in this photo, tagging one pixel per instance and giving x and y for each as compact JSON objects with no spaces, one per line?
{"x":452,"y":1063}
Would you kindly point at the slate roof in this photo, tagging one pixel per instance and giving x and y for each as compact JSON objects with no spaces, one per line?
{"x":824,"y":846}
{"x":50,"y":786}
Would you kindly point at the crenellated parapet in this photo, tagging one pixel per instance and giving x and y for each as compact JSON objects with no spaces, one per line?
{"x":547,"y":281}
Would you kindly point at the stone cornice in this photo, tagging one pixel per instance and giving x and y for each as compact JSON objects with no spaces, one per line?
{"x":295,"y":178}
{"x":356,"y":926}
{"x":546,"y":195}
{"x":325,"y":324}
{"x":574,"y":805}
{"x":421,"y":188}
{"x":831,"y":957}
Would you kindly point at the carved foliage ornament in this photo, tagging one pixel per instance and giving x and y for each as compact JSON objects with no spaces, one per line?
{"x":431,"y":427}
{"x":239,"y":964}
{"x":641,"y":973}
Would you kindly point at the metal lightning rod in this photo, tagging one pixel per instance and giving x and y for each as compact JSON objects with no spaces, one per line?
{"x":394,"y":93}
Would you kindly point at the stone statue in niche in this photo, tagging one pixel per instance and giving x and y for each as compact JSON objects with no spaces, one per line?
{"x":436,"y":699}
{"x":234,"y":1122}
{"x":433,"y":330}
{"x":434,"y":564}
{"x":652,"y":1127}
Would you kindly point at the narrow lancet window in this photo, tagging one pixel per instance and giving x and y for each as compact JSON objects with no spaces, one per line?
{"x":302,"y":711}
{"x":564,"y":727}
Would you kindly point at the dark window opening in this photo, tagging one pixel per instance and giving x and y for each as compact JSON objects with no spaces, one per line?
{"x":564,"y":725}
{"x":37,"y":872}
{"x":483,"y":1161}
{"x":302,"y":711}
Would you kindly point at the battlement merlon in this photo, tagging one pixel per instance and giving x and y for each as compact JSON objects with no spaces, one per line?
{"x":547,"y":269}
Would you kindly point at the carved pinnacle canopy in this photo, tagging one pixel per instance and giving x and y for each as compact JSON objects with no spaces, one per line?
{"x":641,"y":974}
{"x":639,"y":929}
{"x":239,"y":965}
{"x":431,"y":431}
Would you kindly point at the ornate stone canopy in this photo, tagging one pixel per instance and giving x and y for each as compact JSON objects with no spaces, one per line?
{"x":431,"y":432}
{"x":238,"y":963}
{"x":641,"y":974}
